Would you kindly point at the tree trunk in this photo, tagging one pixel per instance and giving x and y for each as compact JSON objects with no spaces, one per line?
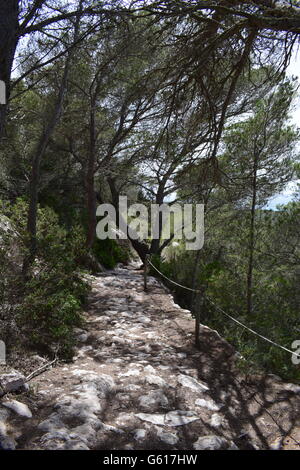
{"x":252,"y":239}
{"x":159,"y":200}
{"x":140,"y":247}
{"x":39,"y":154}
{"x":194,"y":279}
{"x":90,"y":181}
{"x":155,"y":243}
{"x":9,"y":11}
{"x":35,"y":173}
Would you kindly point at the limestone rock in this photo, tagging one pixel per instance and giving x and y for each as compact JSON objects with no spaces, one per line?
{"x":173,"y":418}
{"x":152,"y":399}
{"x":193,"y":384}
{"x":214,"y":443}
{"x":167,"y":437}
{"x":131,"y":372}
{"x":7,"y":443}
{"x":216,"y":420}
{"x":11,"y":382}
{"x":291,"y":388}
{"x":19,"y":408}
{"x":208,"y":403}
{"x":4,"y":414}
{"x":155,"y":380}
{"x":277,"y":444}
{"x":139,"y":434}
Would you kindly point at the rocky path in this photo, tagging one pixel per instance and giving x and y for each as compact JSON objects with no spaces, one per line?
{"x":138,"y":382}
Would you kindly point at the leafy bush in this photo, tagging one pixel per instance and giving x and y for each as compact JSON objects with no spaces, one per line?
{"x":10,"y":279}
{"x":54,"y":296}
{"x":50,"y":302}
{"x":276,"y":312}
{"x":51,"y":309}
{"x":109,"y":253}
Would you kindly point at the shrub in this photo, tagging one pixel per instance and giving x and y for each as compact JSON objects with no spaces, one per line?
{"x":51,"y":309}
{"x":109,"y":253}
{"x":49,"y":303}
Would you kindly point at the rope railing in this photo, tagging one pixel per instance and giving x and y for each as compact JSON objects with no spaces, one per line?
{"x":173,"y":282}
{"x":220,"y":309}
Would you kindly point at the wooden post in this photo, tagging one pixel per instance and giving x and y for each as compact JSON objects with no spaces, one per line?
{"x":198,"y":305}
{"x":146,"y":272}
{"x":197,"y":332}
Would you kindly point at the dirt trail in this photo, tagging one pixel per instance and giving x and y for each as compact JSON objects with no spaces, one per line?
{"x":138,"y":382}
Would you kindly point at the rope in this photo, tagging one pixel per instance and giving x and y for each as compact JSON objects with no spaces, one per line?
{"x":250,"y":329}
{"x":173,"y":282}
{"x":227,"y":314}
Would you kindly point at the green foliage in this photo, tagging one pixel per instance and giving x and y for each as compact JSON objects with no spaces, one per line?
{"x":11,"y":285}
{"x":109,"y":253}
{"x":221,"y":274}
{"x":165,"y":267}
{"x":51,"y":300}
{"x":51,"y":309}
